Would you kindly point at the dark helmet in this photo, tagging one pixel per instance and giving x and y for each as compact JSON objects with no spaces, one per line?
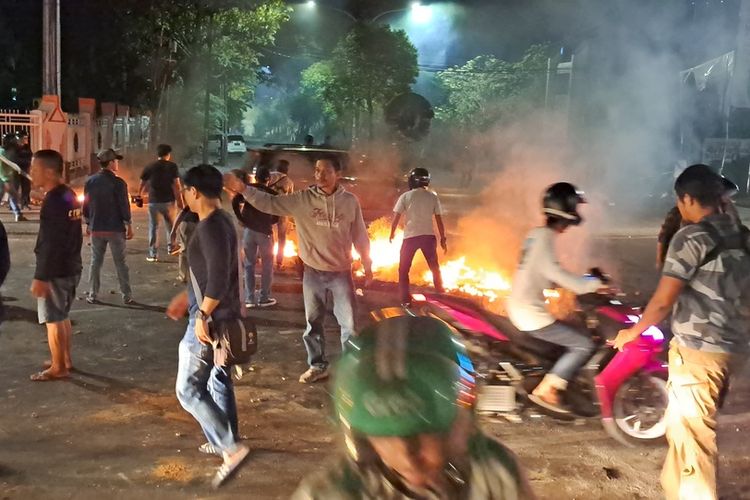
{"x":730,"y":188}
{"x":561,"y":202}
{"x":419,"y":177}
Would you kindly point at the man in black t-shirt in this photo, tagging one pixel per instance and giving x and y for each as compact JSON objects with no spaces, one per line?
{"x":58,"y":260}
{"x":212,"y":257}
{"x":257,"y":240}
{"x":163,"y":181}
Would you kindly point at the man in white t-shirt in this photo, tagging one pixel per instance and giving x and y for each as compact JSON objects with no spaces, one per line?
{"x":418,"y":205}
{"x":538,"y":270}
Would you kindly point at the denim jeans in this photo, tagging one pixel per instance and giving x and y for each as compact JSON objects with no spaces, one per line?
{"x":315,"y":286}
{"x":116,"y":242}
{"x":257,"y":243}
{"x":206,"y":391}
{"x":428,"y":245}
{"x":13,"y":198}
{"x":579,"y":348}
{"x":166,"y":210}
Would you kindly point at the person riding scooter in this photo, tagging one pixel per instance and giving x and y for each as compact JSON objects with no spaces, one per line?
{"x":539,"y":270}
{"x":404,"y":401}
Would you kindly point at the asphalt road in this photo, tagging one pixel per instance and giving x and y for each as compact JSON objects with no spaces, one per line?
{"x":115,"y":429}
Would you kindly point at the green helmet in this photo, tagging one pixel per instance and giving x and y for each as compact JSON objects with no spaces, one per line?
{"x":402,"y":376}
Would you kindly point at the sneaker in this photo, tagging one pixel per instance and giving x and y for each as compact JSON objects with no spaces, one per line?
{"x":209,"y":449}
{"x":229,"y":467}
{"x":152,"y":259}
{"x":175,"y":250}
{"x":21,"y":218}
{"x":250,"y":305}
{"x":267,"y":302}
{"x":313,"y":374}
{"x":128,"y":301}
{"x":90,"y":299}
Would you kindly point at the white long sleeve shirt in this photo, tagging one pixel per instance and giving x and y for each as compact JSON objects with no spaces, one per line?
{"x":537,"y":271}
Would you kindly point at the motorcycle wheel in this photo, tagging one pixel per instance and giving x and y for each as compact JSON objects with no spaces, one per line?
{"x":639,"y":409}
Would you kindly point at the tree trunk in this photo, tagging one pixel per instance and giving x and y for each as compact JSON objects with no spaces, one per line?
{"x":370,"y":121}
{"x":207,"y":98}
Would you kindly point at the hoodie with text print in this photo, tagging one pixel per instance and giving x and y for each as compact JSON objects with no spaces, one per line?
{"x":327,"y":226}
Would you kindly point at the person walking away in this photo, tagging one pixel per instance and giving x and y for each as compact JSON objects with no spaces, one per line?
{"x":409,"y":428}
{"x":538,"y":270}
{"x":418,"y":206}
{"x":705,"y":284}
{"x":282,"y":184}
{"x":58,"y":260}
{"x":329,"y":221}
{"x":106,"y":212}
{"x":162,"y":179}
{"x":205,"y":390}
{"x":23,"y":159}
{"x":673,"y":221}
{"x":9,"y":151}
{"x":257,"y":240}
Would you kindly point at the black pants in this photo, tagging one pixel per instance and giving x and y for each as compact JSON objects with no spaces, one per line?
{"x":428,"y":245}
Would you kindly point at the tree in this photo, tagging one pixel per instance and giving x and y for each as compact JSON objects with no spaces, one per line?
{"x":487,"y":90}
{"x":369,"y":66}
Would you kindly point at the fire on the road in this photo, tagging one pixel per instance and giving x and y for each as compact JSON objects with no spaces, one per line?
{"x":459,"y":274}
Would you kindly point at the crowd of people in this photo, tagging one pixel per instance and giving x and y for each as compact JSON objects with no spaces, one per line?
{"x":402,"y":394}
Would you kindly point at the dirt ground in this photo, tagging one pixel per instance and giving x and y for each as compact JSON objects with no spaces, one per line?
{"x":115,"y":429}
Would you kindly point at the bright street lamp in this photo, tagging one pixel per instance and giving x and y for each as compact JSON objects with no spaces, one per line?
{"x":420,"y":13}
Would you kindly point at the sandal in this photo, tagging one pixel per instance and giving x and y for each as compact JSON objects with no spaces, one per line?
{"x":45,"y":376}
{"x":230,"y":466}
{"x":48,"y":364}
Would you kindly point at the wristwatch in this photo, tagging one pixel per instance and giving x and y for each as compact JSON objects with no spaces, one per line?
{"x":201,"y":315}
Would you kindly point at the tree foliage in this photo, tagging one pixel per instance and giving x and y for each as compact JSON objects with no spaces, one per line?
{"x":368,"y":67}
{"x":487,"y":90}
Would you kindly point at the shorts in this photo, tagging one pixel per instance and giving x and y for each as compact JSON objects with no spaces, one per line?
{"x":55,"y":307}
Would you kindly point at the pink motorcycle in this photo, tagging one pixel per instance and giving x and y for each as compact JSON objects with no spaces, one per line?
{"x":627,"y":389}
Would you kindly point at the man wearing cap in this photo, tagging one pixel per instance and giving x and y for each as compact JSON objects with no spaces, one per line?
{"x":106,"y":213}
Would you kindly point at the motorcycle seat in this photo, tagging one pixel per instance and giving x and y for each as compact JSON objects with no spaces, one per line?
{"x":528,"y":342}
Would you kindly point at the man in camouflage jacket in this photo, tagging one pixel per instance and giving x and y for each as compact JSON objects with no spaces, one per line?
{"x":706,"y":281}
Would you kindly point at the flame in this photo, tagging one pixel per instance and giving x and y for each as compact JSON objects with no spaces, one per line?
{"x":460,"y":274}
{"x":290,"y":249}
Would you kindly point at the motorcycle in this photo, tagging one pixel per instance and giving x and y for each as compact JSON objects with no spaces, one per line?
{"x":625,"y":389}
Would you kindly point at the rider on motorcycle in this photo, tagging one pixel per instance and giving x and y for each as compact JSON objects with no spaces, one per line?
{"x":404,"y":401}
{"x":538,"y":270}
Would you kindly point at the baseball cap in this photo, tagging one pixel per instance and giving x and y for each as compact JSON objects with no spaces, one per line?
{"x":108,"y":155}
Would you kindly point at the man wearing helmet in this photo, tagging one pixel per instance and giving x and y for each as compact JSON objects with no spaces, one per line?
{"x":403,"y":397}
{"x":538,"y":270}
{"x":418,"y":205}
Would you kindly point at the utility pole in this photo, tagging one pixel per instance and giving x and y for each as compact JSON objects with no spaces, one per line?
{"x":51,"y":48}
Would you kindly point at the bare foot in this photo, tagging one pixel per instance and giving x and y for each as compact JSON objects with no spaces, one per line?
{"x":47,"y":364}
{"x":47,"y":376}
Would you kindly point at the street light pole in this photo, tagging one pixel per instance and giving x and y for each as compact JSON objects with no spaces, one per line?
{"x":51,"y":48}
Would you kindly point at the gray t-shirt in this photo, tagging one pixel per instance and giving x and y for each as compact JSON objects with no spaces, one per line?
{"x":712,"y":313}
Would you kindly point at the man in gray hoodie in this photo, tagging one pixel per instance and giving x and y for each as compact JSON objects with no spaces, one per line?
{"x":329,"y":221}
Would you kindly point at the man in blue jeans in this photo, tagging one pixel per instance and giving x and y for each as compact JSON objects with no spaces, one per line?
{"x":204,"y":389}
{"x":257,"y":239}
{"x":163,"y":181}
{"x":106,"y":213}
{"x":329,"y":221}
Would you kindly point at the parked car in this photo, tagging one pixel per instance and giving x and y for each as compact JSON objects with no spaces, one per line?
{"x":215,"y":142}
{"x":236,"y":144}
